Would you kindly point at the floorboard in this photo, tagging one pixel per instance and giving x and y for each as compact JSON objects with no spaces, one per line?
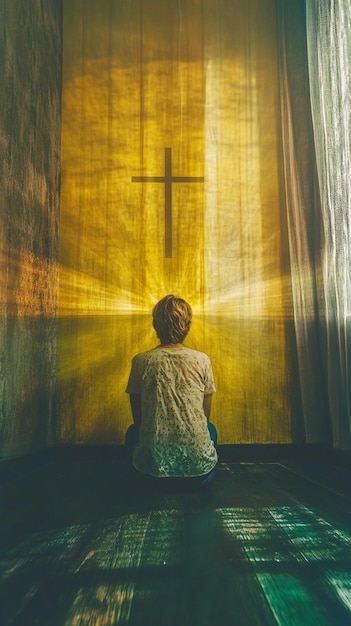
{"x":83,"y":544}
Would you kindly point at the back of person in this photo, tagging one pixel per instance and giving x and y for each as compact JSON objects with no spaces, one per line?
{"x":171,"y":389}
{"x":173,"y":439}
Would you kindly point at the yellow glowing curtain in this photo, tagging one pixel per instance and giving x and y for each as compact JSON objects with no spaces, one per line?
{"x":156,"y":92}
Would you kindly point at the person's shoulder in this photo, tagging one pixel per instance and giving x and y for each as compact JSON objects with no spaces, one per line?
{"x":197,"y":354}
{"x":142,"y":356}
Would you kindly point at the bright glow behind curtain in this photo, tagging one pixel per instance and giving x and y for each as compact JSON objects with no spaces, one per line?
{"x":199,"y":79}
{"x":329,"y":48}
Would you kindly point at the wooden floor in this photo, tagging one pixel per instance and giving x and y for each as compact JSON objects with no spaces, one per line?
{"x":268,"y":544}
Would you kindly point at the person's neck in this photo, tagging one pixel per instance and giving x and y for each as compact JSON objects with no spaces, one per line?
{"x":171,"y":345}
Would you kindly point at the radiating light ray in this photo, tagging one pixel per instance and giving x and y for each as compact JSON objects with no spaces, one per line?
{"x":94,"y":361}
{"x":270,"y":298}
{"x":226,"y":217}
{"x":82,"y":294}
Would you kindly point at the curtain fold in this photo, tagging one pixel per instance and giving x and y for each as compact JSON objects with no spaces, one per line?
{"x":303,"y":209}
{"x":329,"y":55}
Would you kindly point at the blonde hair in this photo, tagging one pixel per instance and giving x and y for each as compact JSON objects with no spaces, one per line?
{"x":171,"y":318}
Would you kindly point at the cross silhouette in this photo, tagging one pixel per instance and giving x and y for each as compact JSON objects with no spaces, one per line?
{"x":168,"y":179}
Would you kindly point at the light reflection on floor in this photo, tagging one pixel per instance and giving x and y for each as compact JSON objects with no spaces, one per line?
{"x":342,"y":587}
{"x":121,"y":565}
{"x":118,"y":549}
{"x":312,"y":555}
{"x":131,"y":542}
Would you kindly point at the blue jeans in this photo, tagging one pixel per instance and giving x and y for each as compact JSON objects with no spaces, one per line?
{"x":132,"y":439}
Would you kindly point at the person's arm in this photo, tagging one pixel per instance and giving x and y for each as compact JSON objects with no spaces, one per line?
{"x":135,"y":403}
{"x":207,"y":405}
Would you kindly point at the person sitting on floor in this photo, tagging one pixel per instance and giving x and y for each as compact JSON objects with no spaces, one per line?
{"x":170,"y":388}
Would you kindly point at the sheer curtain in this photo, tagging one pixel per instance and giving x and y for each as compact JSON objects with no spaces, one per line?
{"x":303,"y":211}
{"x":329,"y":55}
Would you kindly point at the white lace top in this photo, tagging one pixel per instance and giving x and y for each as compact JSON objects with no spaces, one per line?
{"x":173,"y":437}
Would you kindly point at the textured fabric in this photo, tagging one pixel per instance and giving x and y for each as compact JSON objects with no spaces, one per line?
{"x":304,"y":223}
{"x":173,"y":438}
{"x":329,"y":55}
{"x":202,"y":80}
